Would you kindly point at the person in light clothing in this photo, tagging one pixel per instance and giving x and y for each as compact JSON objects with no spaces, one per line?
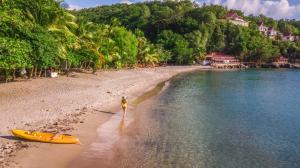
{"x":124,"y":105}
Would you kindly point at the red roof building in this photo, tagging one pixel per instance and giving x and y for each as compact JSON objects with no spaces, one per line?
{"x":234,"y":18}
{"x":221,"y":58}
{"x":282,"y":60}
{"x":267,"y":31}
{"x":288,"y":37}
{"x":233,"y":15}
{"x":272,"y":31}
{"x":262,"y":28}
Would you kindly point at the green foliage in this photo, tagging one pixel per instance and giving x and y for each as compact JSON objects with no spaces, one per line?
{"x":39,"y":34}
{"x":179,"y":47}
{"x":149,"y":54}
{"x":127,"y":45}
{"x":45,"y":51}
{"x":42,"y":12}
{"x":217,"y":40}
{"x":189,"y":33}
{"x":197,"y":41}
{"x":14,"y":53}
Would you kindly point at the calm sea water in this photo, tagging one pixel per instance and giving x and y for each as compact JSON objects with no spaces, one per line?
{"x":238,"y":119}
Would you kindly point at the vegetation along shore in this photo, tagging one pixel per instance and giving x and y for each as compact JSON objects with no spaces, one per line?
{"x":39,"y":37}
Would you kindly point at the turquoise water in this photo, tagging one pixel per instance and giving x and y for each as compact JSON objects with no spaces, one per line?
{"x":237,"y":119}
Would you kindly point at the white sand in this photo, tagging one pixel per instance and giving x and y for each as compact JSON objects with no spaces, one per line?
{"x":45,"y":100}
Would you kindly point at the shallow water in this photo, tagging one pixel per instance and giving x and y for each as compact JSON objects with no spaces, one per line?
{"x":237,"y":119}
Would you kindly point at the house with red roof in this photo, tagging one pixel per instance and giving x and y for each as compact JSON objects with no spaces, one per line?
{"x":282,"y":60}
{"x":221,"y":58}
{"x":267,"y":31}
{"x":272,"y":33}
{"x":234,"y":18}
{"x":288,"y":37}
{"x":262,"y":28}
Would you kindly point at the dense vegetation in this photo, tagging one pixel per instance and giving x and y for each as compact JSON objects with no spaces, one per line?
{"x":189,"y":32}
{"x":36,"y":36}
{"x":39,"y":35}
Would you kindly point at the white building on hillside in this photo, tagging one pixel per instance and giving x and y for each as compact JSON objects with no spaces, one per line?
{"x":272,"y":33}
{"x":288,"y":37}
{"x":234,"y":18}
{"x":267,"y":31}
{"x":262,"y":28}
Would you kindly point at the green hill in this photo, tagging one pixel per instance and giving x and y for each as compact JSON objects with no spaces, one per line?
{"x":36,"y":36}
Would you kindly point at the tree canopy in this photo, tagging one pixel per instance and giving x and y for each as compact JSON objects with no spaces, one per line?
{"x":40,"y":35}
{"x":190,"y":32}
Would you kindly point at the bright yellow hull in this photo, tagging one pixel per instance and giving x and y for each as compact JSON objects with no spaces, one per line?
{"x":45,"y":137}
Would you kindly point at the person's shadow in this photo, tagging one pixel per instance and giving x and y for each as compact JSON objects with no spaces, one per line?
{"x":122,"y":124}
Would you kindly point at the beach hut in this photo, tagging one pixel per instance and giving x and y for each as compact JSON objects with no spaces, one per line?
{"x":222,"y":60}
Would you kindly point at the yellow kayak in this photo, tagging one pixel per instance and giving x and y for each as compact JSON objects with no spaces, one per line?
{"x":45,"y":137}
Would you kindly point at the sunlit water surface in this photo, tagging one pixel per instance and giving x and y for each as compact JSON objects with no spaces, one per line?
{"x":237,"y":119}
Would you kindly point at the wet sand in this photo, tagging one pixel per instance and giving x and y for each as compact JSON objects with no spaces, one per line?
{"x":105,"y":150}
{"x":76,"y":104}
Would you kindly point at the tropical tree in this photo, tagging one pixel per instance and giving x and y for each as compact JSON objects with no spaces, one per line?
{"x":14,"y":54}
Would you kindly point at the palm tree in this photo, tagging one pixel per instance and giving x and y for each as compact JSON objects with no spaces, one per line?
{"x":64,"y":27}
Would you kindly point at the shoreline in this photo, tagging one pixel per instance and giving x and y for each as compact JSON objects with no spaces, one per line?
{"x":112,"y":131}
{"x":81,"y":121}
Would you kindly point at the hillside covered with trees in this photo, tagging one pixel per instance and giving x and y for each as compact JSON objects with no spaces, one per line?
{"x":39,"y":35}
{"x":189,"y":32}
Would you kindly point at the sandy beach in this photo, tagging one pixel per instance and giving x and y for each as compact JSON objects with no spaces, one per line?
{"x":77,"y":104}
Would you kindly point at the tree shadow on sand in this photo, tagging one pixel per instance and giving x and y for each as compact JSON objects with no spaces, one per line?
{"x":13,"y":138}
{"x":10,"y":137}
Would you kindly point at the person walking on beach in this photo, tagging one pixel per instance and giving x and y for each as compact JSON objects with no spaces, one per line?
{"x":124,"y":105}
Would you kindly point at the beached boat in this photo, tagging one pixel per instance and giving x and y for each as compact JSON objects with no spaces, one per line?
{"x":45,"y":137}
